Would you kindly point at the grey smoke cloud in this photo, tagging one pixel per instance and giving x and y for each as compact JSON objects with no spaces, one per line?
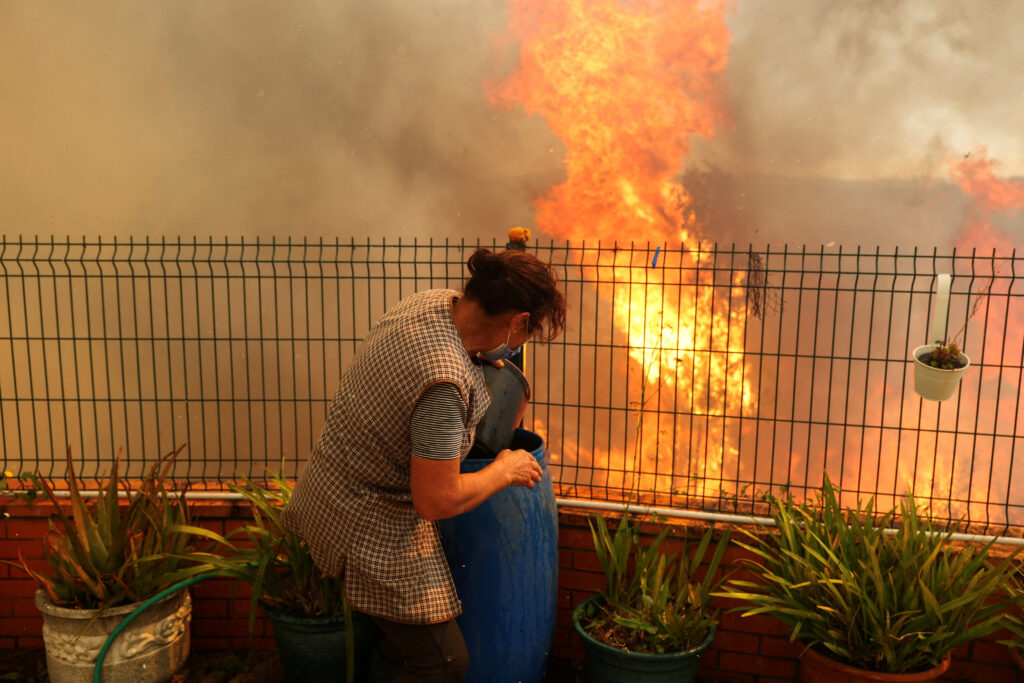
{"x":353,"y":118}
{"x":261,"y":118}
{"x":844,"y":115}
{"x":867,"y":90}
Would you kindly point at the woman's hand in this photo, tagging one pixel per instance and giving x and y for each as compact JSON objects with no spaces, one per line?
{"x":495,"y":363}
{"x":520,"y":466}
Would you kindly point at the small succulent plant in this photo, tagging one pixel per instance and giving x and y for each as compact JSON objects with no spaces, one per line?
{"x":944,"y":356}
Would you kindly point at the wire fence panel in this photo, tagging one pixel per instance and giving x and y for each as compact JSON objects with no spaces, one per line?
{"x":695,"y":377}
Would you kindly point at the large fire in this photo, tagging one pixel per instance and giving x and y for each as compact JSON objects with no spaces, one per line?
{"x":625,"y":85}
{"x":990,"y":195}
{"x":996,"y":337}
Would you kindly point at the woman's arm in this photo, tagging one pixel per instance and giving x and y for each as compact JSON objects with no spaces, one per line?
{"x":437,"y":430}
{"x":440,"y":491}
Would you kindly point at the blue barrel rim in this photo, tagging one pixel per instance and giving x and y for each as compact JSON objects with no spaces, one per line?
{"x":540,"y":451}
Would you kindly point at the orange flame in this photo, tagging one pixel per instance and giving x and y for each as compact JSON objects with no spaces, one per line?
{"x":990,"y":195}
{"x":625,"y":86}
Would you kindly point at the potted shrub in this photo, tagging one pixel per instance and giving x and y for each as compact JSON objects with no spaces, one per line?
{"x":652,"y":621}
{"x":1015,"y":621}
{"x":872,"y":597}
{"x":317,"y":633}
{"x":106,"y":560}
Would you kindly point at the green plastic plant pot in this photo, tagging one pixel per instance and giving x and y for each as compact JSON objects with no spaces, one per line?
{"x":817,"y":668}
{"x":607,"y":664}
{"x":312,"y":649}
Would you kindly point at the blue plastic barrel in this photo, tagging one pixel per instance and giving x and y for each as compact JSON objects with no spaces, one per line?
{"x":504,"y":559}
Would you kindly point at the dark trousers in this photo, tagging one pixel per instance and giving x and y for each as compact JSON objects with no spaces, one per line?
{"x":432,"y":653}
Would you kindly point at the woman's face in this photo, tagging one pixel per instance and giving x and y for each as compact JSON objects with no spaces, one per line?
{"x":516,"y":333}
{"x":519,"y":330}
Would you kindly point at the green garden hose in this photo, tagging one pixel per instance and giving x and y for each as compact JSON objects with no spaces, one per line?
{"x":97,"y":671}
{"x":139,"y":610}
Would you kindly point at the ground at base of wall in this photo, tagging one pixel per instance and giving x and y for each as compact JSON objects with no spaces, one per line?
{"x":209,"y":666}
{"x":222,"y":666}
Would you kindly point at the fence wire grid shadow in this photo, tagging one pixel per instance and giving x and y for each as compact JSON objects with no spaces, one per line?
{"x":695,"y":376}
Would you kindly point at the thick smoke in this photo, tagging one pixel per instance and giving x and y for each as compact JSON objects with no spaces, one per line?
{"x":865,"y":90}
{"x":262,"y":118}
{"x":844,"y":115}
{"x":356,"y":118}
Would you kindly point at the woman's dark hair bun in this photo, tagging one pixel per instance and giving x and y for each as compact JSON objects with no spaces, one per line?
{"x":485,"y":262}
{"x":515,"y":280}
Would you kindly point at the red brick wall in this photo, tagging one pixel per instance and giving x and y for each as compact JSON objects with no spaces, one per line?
{"x":754,"y":649}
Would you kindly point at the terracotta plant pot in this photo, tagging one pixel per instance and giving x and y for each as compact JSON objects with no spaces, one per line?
{"x":817,"y":668}
{"x":1017,"y":657}
{"x":936,"y":384}
{"x":149,"y":650}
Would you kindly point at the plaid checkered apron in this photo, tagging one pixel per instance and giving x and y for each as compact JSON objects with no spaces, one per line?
{"x":353,"y":502}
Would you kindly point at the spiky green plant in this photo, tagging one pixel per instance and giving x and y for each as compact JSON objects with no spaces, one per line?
{"x":107,"y":554}
{"x":276,"y":563}
{"x":653,"y":601}
{"x":893,"y":600}
{"x":1014,"y":617}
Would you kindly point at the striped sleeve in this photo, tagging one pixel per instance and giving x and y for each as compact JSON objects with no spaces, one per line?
{"x":438,"y":423}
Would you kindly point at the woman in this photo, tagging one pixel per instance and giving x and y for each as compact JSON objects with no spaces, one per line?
{"x":386,"y":464}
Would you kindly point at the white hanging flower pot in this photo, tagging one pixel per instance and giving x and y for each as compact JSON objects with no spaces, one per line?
{"x":936,"y":384}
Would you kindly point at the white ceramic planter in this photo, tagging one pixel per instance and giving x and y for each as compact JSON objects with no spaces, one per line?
{"x":936,"y":384}
{"x":150,"y":649}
